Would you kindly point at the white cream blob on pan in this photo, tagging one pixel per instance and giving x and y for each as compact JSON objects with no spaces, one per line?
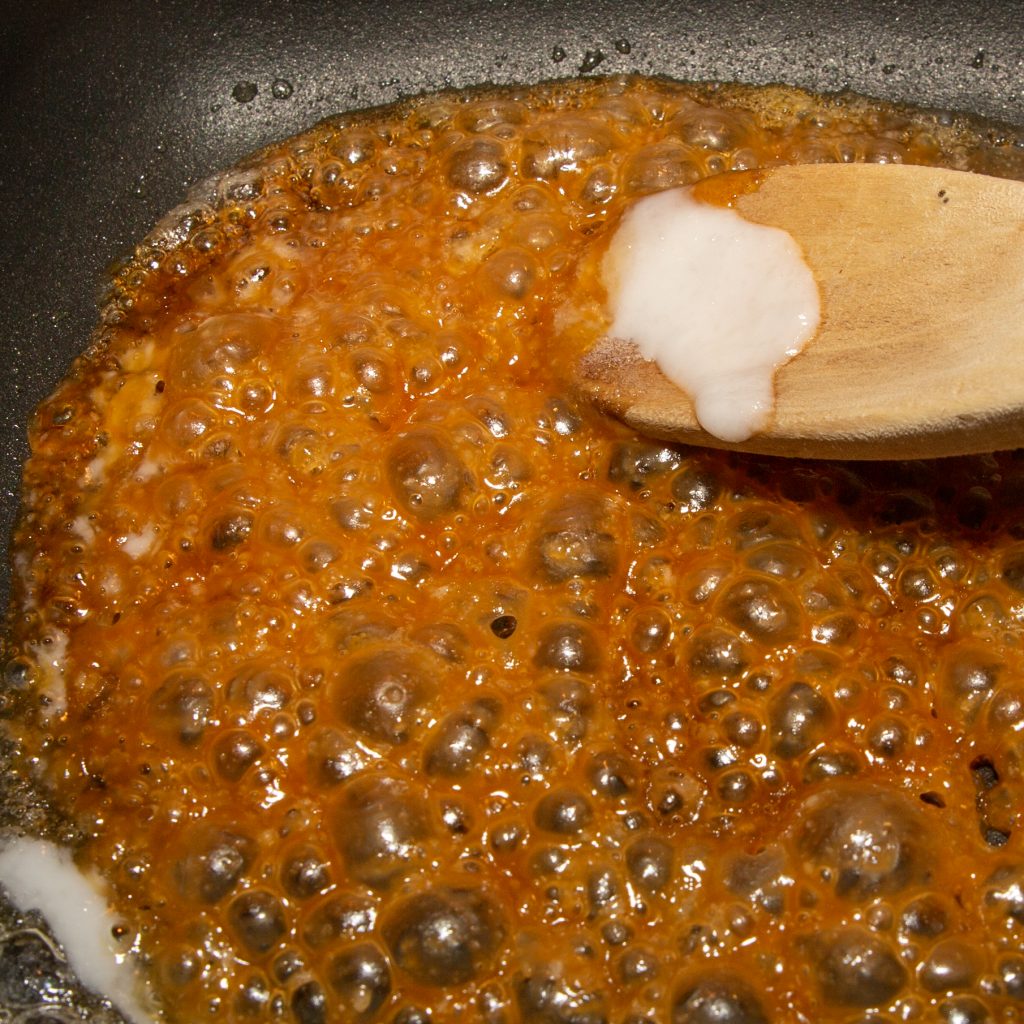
{"x":41,"y":876}
{"x":718,"y":302}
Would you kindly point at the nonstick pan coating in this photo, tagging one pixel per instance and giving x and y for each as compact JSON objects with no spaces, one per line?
{"x":112,"y":110}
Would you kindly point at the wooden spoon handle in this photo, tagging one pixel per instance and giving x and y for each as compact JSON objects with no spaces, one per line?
{"x":921,"y":348}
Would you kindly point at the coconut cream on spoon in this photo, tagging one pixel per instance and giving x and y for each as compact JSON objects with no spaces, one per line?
{"x":718,"y":302}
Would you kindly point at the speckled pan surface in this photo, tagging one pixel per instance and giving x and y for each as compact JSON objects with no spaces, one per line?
{"x":112,"y":110}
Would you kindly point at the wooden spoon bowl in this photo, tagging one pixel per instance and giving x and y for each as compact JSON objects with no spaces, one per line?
{"x":920,"y":352}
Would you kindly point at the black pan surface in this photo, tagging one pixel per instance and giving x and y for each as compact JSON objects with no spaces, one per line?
{"x":112,"y":109}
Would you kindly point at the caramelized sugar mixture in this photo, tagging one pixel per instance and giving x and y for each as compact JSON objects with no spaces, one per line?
{"x":385,"y":681}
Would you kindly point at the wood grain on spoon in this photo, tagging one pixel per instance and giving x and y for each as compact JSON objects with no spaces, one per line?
{"x":920,"y":352}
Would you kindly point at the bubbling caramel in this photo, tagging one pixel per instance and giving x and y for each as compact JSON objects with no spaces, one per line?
{"x":382,"y":680}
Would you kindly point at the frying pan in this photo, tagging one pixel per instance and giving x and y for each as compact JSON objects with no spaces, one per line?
{"x":111,"y":110}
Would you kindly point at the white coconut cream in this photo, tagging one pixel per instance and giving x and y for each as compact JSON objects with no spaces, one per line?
{"x":41,"y":876}
{"x":717,"y":301}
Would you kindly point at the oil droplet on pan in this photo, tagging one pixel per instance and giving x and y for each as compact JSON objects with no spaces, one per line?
{"x":244,"y":92}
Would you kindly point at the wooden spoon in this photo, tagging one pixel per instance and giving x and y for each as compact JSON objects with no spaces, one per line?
{"x":920,"y":352}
